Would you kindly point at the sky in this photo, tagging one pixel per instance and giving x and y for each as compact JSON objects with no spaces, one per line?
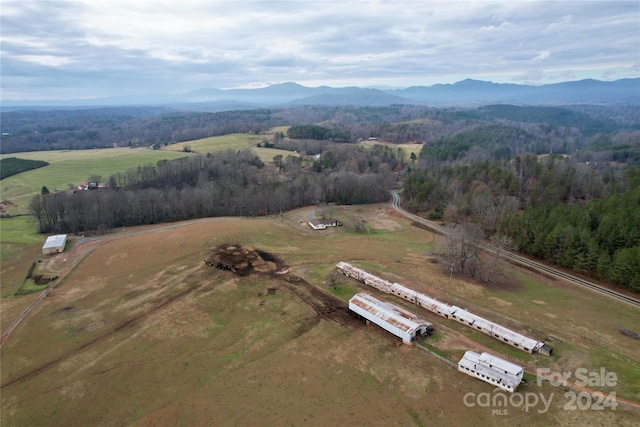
{"x":91,"y":49}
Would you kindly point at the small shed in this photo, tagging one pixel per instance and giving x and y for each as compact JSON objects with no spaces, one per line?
{"x":545,"y":349}
{"x":54,"y":244}
{"x":390,"y":317}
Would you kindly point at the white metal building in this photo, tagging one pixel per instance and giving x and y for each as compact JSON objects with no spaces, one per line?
{"x":461,"y":315}
{"x":321,"y":224}
{"x":54,"y":244}
{"x":492,"y":369}
{"x":390,"y":317}
{"x":494,"y":330}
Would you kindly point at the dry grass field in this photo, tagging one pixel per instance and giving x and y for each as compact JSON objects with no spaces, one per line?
{"x":144,"y":332}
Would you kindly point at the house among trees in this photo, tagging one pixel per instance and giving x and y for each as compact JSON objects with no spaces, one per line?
{"x":54,"y":244}
{"x":87,"y":186}
{"x":321,"y":224}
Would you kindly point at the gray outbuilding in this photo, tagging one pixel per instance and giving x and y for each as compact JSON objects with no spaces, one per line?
{"x":54,"y":244}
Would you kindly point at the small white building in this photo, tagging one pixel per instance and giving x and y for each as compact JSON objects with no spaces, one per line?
{"x":321,"y":224}
{"x":54,"y":244}
{"x":390,"y":317}
{"x":492,"y":369}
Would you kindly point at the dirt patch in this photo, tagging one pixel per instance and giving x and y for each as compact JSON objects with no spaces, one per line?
{"x":244,"y":260}
{"x":325,"y":305}
{"x":5,"y":205}
{"x":43,"y":279}
{"x":68,"y":309}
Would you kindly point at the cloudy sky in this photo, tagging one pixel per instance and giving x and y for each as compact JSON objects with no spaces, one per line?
{"x":84,"y":49}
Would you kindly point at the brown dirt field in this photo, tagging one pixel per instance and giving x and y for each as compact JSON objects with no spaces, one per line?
{"x":144,"y":332}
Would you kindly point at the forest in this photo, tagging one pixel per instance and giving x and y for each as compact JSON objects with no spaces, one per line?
{"x":560,"y":130}
{"x":221,"y":184}
{"x":557,"y":183}
{"x":317,"y":133}
{"x":578,"y":209}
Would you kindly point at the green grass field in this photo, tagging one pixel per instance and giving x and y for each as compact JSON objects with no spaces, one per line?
{"x":72,"y":167}
{"x":19,"y":246}
{"x":18,"y":230}
{"x":235,"y":141}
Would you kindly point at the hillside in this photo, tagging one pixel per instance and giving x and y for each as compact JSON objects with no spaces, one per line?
{"x":385,"y":118}
{"x":165,"y":337}
{"x":466,"y":92}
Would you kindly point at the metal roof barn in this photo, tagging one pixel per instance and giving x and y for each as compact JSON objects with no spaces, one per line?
{"x":461,"y":315}
{"x":390,"y":317}
{"x":499,"y":364}
{"x":494,"y":330}
{"x":492,"y":369}
{"x":54,"y":244}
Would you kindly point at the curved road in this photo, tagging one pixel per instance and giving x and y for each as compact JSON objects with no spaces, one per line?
{"x":517,"y":259}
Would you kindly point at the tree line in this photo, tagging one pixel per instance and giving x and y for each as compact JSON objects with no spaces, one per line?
{"x":600,"y":238}
{"x":221,"y":184}
{"x":12,"y":166}
{"x":577,"y":215}
{"x":317,"y":133}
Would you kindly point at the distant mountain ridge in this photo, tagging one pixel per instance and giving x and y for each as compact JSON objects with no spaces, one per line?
{"x":466,"y":93}
{"x":624,"y":91}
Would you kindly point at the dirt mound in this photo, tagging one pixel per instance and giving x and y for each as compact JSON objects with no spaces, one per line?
{"x":244,"y":260}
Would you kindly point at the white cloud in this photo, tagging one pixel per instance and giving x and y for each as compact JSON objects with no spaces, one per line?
{"x":542,"y":56}
{"x":175,"y":46}
{"x":558,"y":27}
{"x":44,"y":60}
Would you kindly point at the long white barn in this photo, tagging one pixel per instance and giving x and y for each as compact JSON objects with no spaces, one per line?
{"x":390,"y":317}
{"x":458,"y":314}
{"x":492,"y":369}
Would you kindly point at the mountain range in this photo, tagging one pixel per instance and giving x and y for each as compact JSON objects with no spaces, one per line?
{"x":467,"y":92}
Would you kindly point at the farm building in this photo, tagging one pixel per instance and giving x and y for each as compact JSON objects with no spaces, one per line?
{"x":494,"y":330}
{"x":54,"y":244}
{"x":389,"y":317}
{"x":463,"y":316}
{"x":321,"y":224}
{"x":492,"y":369}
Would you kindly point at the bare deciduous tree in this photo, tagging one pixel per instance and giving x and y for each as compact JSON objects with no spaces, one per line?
{"x":460,"y":248}
{"x":501,"y":244}
{"x":334,"y":278}
{"x":358,"y":223}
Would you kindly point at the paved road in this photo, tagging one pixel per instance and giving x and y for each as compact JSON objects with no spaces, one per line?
{"x":517,"y":259}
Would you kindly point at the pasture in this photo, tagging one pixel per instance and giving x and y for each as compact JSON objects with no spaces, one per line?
{"x":72,"y":167}
{"x":143,"y":332}
{"x":235,"y":141}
